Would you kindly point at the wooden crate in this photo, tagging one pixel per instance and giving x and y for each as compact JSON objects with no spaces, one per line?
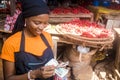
{"x":59,"y":18}
{"x":111,"y":21}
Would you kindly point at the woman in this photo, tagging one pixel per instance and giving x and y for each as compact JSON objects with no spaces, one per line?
{"x":25,"y":53}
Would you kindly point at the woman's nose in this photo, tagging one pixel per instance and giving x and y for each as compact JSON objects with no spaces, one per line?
{"x":42,"y":26}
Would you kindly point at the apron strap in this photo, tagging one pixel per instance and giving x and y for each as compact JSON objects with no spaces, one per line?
{"x":45,"y":40}
{"x":22,"y":44}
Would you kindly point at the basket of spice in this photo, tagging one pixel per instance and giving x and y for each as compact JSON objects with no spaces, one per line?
{"x":86,"y":33}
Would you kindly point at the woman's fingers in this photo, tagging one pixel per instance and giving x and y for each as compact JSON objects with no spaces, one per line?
{"x":47,"y":71}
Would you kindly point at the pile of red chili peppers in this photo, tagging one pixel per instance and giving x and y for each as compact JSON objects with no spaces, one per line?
{"x":74,"y":10}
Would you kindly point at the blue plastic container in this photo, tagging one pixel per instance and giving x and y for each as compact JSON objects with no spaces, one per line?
{"x":106,"y":3}
{"x":96,"y":2}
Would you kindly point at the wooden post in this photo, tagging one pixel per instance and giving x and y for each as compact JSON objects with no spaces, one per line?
{"x":117,"y":59}
{"x":12,"y":7}
{"x":55,"y":40}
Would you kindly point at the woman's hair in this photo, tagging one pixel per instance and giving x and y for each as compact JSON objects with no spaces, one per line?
{"x":29,"y":8}
{"x":19,"y":24}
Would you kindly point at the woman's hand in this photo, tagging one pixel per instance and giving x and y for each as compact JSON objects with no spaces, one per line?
{"x":43,"y":72}
{"x":47,"y":71}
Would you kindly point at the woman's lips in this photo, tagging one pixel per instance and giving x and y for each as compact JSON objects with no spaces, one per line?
{"x":39,"y":31}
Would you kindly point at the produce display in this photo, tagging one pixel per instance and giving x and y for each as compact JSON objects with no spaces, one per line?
{"x":86,"y":32}
{"x":10,"y":20}
{"x":74,"y":10}
{"x":84,"y":28}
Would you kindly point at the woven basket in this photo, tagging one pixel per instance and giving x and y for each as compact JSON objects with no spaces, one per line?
{"x":105,"y":43}
{"x":102,"y":43}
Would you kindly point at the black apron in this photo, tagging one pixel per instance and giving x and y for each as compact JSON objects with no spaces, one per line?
{"x":25,"y":61}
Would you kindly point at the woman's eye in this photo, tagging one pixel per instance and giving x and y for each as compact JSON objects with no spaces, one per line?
{"x":40,"y":23}
{"x":37,"y":23}
{"x":46,"y":23}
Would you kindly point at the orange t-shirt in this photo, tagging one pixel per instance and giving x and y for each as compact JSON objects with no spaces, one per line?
{"x":33,"y":45}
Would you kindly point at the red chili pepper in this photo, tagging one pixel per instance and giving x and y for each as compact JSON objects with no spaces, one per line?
{"x":88,"y":34}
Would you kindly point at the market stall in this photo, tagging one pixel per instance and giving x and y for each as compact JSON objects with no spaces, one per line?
{"x":80,"y":40}
{"x":85,"y":35}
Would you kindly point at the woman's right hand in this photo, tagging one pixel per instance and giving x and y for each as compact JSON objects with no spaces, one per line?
{"x":43,"y":72}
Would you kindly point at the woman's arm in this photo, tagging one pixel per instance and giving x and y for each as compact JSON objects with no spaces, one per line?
{"x":9,"y":72}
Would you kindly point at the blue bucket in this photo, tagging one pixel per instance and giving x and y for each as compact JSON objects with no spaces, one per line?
{"x":106,"y":3}
{"x":96,"y":2}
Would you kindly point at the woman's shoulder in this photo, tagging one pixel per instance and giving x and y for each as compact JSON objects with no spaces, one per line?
{"x":48,"y":37}
{"x":13,"y":38}
{"x":46,"y":34}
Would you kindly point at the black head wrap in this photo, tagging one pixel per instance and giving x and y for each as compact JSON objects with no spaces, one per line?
{"x":29,"y":8}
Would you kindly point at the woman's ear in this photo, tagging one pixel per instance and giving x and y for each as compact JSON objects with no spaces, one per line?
{"x":25,"y":23}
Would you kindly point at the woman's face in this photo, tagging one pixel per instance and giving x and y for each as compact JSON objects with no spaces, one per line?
{"x":36,"y":24}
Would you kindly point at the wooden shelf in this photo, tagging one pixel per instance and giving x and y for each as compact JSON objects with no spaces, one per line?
{"x":59,"y":18}
{"x":3,"y":31}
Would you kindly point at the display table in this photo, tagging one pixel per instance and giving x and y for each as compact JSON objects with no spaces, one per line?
{"x":59,"y":18}
{"x":99,"y":10}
